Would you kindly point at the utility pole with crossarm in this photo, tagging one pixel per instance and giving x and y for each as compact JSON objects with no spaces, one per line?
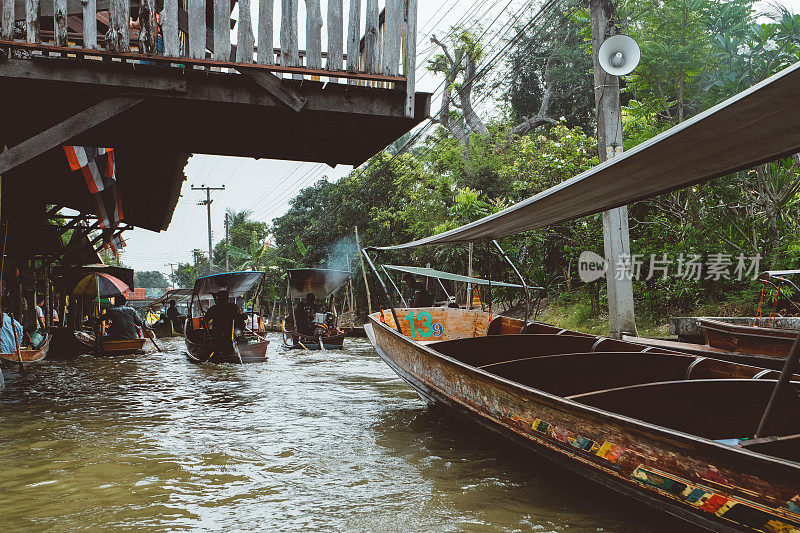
{"x":207,"y":203}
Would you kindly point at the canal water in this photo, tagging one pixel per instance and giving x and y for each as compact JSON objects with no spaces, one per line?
{"x":310,"y":441}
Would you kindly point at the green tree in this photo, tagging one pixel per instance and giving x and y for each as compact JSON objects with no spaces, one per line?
{"x":151,"y":279}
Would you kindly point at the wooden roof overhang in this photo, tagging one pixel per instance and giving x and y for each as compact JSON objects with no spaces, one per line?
{"x":202,"y":111}
{"x":758,"y":125}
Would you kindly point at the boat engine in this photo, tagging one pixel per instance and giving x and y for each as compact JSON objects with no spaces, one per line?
{"x":322,"y":323}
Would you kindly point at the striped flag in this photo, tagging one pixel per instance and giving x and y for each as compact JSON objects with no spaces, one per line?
{"x":100,"y":174}
{"x":115,"y":244}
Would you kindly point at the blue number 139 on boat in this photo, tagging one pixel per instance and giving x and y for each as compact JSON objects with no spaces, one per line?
{"x":426,"y":326}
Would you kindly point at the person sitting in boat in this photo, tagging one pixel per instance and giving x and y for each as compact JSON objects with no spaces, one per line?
{"x":125,"y":322}
{"x":304,"y":313}
{"x":224,"y":319}
{"x":174,"y":316}
{"x":8,"y":342}
{"x":419,"y":295}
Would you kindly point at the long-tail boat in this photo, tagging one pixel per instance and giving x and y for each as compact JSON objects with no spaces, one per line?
{"x":320,"y":329}
{"x":714,"y":442}
{"x":167,"y":329}
{"x":115,"y":347}
{"x":28,"y":355}
{"x":247,"y":346}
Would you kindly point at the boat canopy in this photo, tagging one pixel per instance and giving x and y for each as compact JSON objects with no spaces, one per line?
{"x":322,"y":282}
{"x":179,"y":295}
{"x":236,"y":283}
{"x":752,"y":127}
{"x":433,"y":273}
{"x":776,"y":273}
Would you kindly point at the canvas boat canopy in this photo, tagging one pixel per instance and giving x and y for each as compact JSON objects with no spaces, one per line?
{"x":774,"y":273}
{"x":236,"y":283}
{"x":179,"y":295}
{"x":321,"y":282}
{"x":753,"y":127}
{"x":433,"y":273}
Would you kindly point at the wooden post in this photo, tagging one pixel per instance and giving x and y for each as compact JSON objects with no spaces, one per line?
{"x":393,"y":34}
{"x":353,"y":37}
{"x":148,"y":30}
{"x":222,"y":29}
{"x":469,"y":274}
{"x":616,"y":237}
{"x":313,"y":34}
{"x":371,"y":39}
{"x":197,"y":29}
{"x":289,"y":53}
{"x":118,"y":38}
{"x":363,"y":271}
{"x":90,"y":23}
{"x":265,"y":43}
{"x":244,"y":34}
{"x":60,"y":22}
{"x":7,"y":19}
{"x":335,"y":35}
{"x":410,"y":64}
{"x":169,"y":27}
{"x":32,"y":20}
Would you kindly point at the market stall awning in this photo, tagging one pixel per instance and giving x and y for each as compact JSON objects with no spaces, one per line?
{"x":236,"y":283}
{"x":755,"y":126}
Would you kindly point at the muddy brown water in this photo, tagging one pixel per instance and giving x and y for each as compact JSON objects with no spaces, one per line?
{"x":310,"y":441}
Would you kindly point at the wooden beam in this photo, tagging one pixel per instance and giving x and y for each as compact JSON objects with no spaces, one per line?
{"x":392,"y":37}
{"x":221,"y":43}
{"x":169,"y":27}
{"x":372,"y":39}
{"x":275,"y":86}
{"x":32,"y":20}
{"x":64,"y":131}
{"x":313,"y":34}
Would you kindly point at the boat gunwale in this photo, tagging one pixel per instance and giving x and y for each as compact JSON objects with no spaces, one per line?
{"x":742,"y":329}
{"x":634,"y":423}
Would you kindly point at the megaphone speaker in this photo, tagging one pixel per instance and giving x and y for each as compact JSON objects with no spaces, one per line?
{"x":619,"y":55}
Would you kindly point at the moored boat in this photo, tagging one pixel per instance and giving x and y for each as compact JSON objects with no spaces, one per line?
{"x":28,"y":355}
{"x":672,"y":430}
{"x":755,"y":340}
{"x":244,"y":345}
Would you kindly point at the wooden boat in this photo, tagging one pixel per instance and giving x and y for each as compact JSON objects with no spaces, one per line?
{"x":28,"y":355}
{"x":165,"y":330}
{"x":668,"y":429}
{"x":247,"y":347}
{"x":323,"y":331}
{"x":756,"y":340}
{"x":116,"y":347}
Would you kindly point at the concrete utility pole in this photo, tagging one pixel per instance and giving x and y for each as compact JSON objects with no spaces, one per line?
{"x":207,"y":203}
{"x":227,"y":233}
{"x":172,"y":272}
{"x":196,"y":253}
{"x":616,"y":237}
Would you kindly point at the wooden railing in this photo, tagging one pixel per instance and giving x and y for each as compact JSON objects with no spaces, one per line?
{"x":381,"y":55}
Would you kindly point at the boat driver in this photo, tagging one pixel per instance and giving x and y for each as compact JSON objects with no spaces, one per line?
{"x":304,"y":313}
{"x":125,"y":321}
{"x":223,"y":318}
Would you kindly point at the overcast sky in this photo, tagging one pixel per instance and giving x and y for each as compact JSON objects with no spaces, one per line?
{"x":266,"y":186}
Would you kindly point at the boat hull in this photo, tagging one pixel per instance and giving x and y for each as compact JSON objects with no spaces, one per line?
{"x":768,"y":342}
{"x":199,"y":352}
{"x":27,"y":356}
{"x":116,"y":347}
{"x":696,"y":479}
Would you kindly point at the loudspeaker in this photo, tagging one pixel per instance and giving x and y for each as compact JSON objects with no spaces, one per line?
{"x":619,"y":55}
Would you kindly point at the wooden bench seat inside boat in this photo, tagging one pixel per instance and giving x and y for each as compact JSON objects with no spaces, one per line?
{"x":569,"y":374}
{"x":481,"y":351}
{"x":711,"y":408}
